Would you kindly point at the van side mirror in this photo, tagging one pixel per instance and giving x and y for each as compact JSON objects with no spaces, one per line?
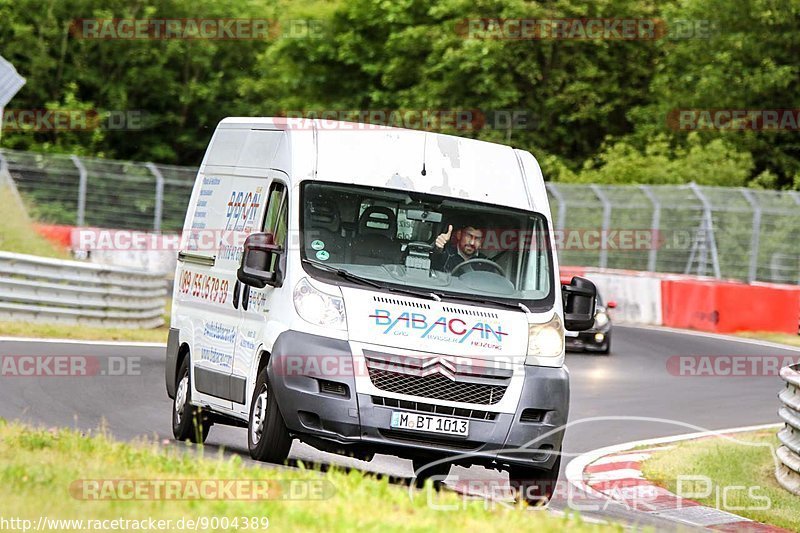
{"x":580,"y":300}
{"x":257,"y":257}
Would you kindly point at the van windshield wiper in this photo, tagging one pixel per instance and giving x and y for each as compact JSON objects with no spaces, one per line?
{"x":512,"y":305}
{"x":346,"y":274}
{"x":421,"y":294}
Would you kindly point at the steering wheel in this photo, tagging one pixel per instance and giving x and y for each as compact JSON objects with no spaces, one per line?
{"x":478,"y":261}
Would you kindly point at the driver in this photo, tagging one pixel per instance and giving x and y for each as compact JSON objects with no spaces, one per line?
{"x":447,"y":255}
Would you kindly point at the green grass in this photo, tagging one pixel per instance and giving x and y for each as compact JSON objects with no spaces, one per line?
{"x":731,"y":463}
{"x":81,"y":332}
{"x":38,"y":467}
{"x":17,"y":234}
{"x":781,"y":338}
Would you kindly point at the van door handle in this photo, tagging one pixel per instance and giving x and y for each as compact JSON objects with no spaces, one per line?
{"x":246,"y":297}
{"x":236,"y":294}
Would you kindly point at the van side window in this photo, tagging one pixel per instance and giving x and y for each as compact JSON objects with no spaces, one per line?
{"x":283,"y":222}
{"x":276,"y":217}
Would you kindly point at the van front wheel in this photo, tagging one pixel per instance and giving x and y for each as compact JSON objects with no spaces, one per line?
{"x":188,"y":422}
{"x":267,"y":436}
{"x":534,"y":485}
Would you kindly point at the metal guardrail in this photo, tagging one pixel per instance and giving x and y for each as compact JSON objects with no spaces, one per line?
{"x":41,"y":289}
{"x":788,"y":472}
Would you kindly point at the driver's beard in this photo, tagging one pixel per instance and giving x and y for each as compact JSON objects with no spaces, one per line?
{"x":464,"y":255}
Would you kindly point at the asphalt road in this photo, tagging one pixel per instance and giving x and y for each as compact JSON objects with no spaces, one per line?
{"x":632,"y":394}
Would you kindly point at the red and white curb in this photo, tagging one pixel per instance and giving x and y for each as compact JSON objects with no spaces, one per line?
{"x":615,"y":473}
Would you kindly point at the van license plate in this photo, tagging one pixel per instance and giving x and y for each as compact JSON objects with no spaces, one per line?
{"x":429,"y":423}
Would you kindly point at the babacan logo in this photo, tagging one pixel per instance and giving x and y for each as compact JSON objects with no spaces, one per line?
{"x":442,"y":328}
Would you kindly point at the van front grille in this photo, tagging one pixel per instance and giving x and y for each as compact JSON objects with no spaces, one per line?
{"x":437,"y":379}
{"x":436,"y":387}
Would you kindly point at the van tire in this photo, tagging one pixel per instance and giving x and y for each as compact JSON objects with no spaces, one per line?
{"x":270,"y":443}
{"x":188,"y":422}
{"x":534,"y":485}
{"x":439,"y":470}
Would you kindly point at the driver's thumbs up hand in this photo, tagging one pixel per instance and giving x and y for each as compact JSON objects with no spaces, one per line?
{"x":442,"y":239}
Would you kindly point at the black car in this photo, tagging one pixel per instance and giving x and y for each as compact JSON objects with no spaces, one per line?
{"x":597,"y":339}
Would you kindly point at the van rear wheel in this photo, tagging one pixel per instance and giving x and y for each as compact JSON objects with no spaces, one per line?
{"x":188,"y":422}
{"x":267,"y":436}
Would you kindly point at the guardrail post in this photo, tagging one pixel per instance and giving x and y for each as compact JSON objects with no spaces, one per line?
{"x":82,"y":177}
{"x":562,"y":205}
{"x":708,"y":228}
{"x":755,"y":240}
{"x":655,"y":226}
{"x":606,"y":224}
{"x":159,"y":206}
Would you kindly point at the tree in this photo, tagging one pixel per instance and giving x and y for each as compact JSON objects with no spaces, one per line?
{"x":177,"y":89}
{"x":747,"y":61}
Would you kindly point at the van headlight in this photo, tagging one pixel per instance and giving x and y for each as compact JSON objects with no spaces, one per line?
{"x":600,"y":319}
{"x":545,"y":340}
{"x":319,"y":308}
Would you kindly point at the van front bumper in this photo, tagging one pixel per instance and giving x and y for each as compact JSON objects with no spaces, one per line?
{"x":313,"y":381}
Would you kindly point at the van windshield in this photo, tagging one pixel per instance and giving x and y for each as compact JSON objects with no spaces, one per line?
{"x":435,"y":244}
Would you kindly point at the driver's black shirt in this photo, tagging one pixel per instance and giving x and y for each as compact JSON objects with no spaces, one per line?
{"x":446,"y":259}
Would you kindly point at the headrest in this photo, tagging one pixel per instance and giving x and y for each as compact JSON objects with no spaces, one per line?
{"x":322,"y":214}
{"x":378,"y":219}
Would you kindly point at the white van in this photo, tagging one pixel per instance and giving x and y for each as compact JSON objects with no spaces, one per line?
{"x":397,"y":292}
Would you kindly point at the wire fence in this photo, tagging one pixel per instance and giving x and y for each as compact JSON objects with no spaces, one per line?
{"x":737,"y":233}
{"x":724,"y":232}
{"x":80,"y":191}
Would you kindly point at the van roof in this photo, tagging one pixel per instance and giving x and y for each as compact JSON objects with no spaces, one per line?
{"x":422,"y":161}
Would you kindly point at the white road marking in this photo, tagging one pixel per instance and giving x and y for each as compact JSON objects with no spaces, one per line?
{"x":93,"y":343}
